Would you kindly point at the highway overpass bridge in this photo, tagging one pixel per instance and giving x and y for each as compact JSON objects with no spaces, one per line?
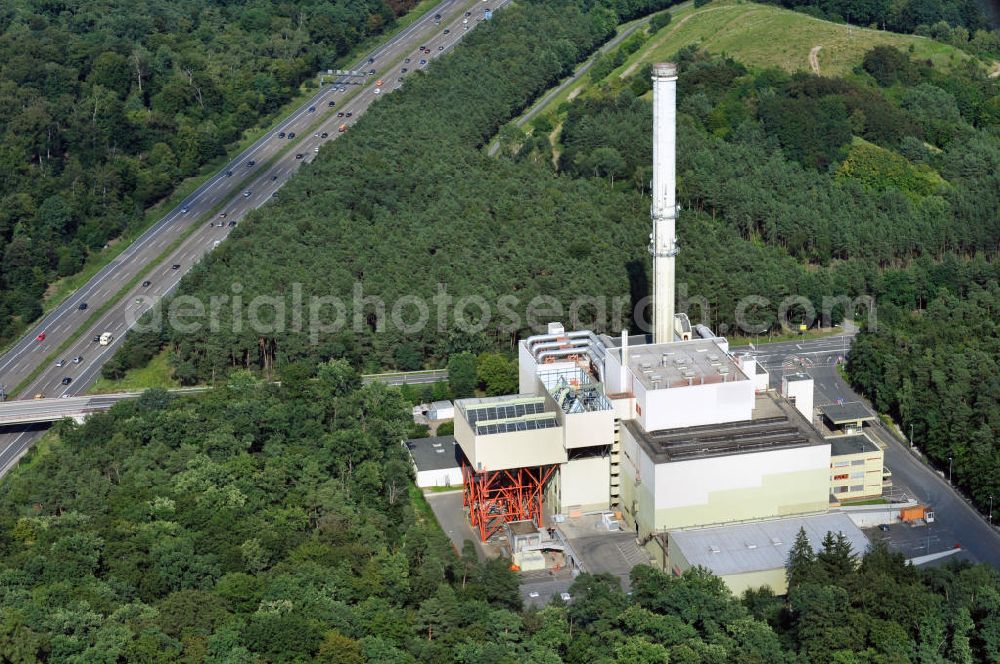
{"x":39,"y":411}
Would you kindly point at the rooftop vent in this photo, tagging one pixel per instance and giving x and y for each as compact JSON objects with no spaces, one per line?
{"x":751,"y":545}
{"x":776,"y":542}
{"x":714,"y":549}
{"x":439,"y":451}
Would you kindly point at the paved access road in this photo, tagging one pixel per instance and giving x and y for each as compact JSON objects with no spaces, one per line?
{"x":247,"y":188}
{"x":957,"y":522}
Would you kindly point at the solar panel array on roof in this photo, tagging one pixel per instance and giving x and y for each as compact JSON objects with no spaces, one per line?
{"x":517,"y":425}
{"x":504,"y":412}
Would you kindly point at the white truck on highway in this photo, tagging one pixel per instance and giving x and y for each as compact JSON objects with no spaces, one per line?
{"x":106,"y":338}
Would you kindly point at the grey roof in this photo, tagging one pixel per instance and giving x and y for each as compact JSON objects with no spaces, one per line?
{"x":436,"y":453}
{"x":774,"y":425}
{"x":761,"y":545}
{"x":441,"y":405}
{"x":681,"y":363}
{"x":855,"y":444}
{"x":797,"y":376}
{"x":853,"y":411}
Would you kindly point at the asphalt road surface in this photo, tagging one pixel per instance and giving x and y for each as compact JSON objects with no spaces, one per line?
{"x":247,"y":188}
{"x":956,"y":522}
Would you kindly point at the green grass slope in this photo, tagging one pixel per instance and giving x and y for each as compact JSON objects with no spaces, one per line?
{"x":767,"y":36}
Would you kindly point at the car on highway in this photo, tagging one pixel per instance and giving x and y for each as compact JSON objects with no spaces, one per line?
{"x":299,"y":156}
{"x":274,"y":178}
{"x":403,"y":70}
{"x":340,"y":114}
{"x":138,"y":300}
{"x":468,"y":13}
{"x":175,"y":266}
{"x":229,"y":174}
{"x":78,"y":359}
{"x":324,"y":135}
{"x":40,"y":337}
{"x":371,"y":72}
{"x":67,"y":380}
{"x":61,"y":363}
{"x":232,"y":223}
{"x":83,"y":306}
{"x":312,"y":109}
{"x":40,"y":395}
{"x":247,"y":193}
{"x":447,"y":31}
{"x":146,"y":283}
{"x":371,"y":60}
{"x":407,"y":61}
{"x":376,"y":91}
{"x":222,"y":215}
{"x":251,"y":163}
{"x":316,"y":149}
{"x":291,"y":135}
{"x":342,"y":89}
{"x":330,"y":103}
{"x":423,"y":48}
{"x":348,"y":114}
{"x":184,"y":210}
{"x":533,"y":594}
{"x":281,"y":134}
{"x":96,"y":339}
{"x":423,"y":62}
{"x":440,"y":48}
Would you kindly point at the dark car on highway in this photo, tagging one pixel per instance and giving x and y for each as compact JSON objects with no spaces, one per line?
{"x":175,"y":266}
{"x":83,"y":305}
{"x":330,"y":103}
{"x":291,"y":134}
{"x":299,"y":156}
{"x":145,"y":284}
{"x":67,"y":380}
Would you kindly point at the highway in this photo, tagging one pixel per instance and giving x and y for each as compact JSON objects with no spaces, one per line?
{"x":957,"y":522}
{"x":196,"y":224}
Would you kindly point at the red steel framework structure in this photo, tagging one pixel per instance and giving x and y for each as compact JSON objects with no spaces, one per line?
{"x":496,"y":497}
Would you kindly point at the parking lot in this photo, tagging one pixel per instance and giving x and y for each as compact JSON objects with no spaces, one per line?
{"x":916,"y":541}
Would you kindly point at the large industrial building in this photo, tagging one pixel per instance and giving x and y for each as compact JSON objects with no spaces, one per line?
{"x":671,"y":432}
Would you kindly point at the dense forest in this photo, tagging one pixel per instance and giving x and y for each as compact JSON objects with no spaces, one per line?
{"x":936,"y":369}
{"x":105,"y":107}
{"x":261,"y":524}
{"x":407,"y":201}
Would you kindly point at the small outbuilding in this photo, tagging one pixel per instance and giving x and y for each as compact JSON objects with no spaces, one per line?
{"x":437,"y":461}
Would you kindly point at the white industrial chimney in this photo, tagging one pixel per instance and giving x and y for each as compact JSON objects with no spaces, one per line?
{"x":663,"y":241}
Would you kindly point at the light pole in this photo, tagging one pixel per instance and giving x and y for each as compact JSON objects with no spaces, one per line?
{"x":949,"y":470}
{"x":991,"y":509}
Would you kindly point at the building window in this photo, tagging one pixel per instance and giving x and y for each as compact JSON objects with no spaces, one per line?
{"x":841,"y":464}
{"x":840,"y":489}
{"x":858,"y":462}
{"x":858,"y":487}
{"x":858,"y":476}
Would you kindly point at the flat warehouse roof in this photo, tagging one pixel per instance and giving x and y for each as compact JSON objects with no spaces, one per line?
{"x":842,"y":413}
{"x":681,"y":363}
{"x":436,"y":453}
{"x":774,"y":425}
{"x":856,"y":444}
{"x":761,"y":545}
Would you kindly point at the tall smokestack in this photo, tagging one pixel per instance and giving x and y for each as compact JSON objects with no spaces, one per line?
{"x":663,"y":241}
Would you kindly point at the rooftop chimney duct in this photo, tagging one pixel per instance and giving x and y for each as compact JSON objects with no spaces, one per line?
{"x":663,"y":241}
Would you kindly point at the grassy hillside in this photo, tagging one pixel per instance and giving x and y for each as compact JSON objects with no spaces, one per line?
{"x":765,"y":36}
